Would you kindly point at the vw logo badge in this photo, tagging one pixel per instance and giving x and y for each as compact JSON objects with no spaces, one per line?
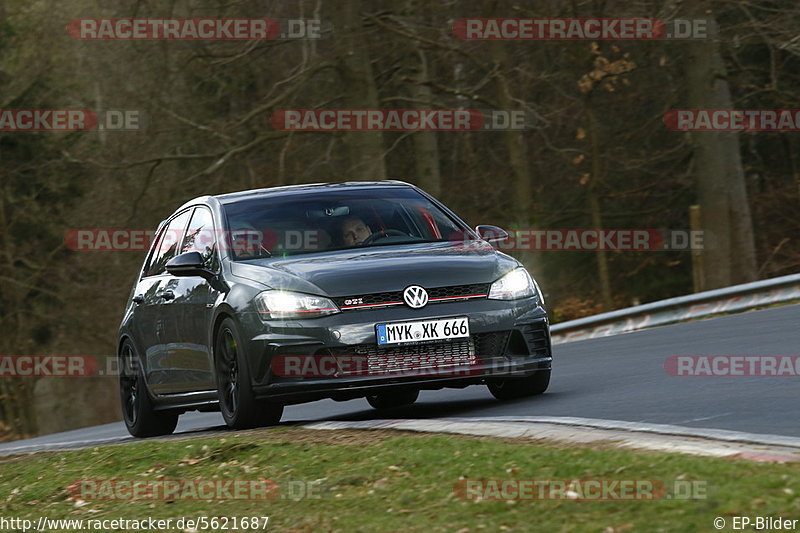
{"x":415,"y":297}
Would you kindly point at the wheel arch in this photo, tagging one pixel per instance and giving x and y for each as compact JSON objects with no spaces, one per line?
{"x":224,"y":311}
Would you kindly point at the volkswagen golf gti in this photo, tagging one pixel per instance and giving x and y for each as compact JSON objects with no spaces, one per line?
{"x":251,"y":301}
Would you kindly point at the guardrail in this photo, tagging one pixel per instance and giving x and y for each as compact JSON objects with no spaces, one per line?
{"x":729,"y":299}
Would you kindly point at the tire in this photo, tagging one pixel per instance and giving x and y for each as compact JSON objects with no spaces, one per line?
{"x":516,"y":388}
{"x":387,"y":400}
{"x":238,"y":404}
{"x":138,"y":412}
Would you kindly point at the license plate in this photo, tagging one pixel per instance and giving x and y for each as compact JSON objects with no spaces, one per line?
{"x":422,"y":331}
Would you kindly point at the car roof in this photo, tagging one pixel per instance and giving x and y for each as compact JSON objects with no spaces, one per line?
{"x":293,"y":189}
{"x":228,"y":197}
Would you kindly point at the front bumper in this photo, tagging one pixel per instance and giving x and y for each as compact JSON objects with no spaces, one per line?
{"x":508,"y":339}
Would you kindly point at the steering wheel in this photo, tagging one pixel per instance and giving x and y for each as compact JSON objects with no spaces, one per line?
{"x":382,"y":234}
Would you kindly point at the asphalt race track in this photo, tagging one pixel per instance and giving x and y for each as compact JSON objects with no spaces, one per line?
{"x":613,"y":378}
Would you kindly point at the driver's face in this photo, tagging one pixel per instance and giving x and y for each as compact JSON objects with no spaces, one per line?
{"x":354,"y":232}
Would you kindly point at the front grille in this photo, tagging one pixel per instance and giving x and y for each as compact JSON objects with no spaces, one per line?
{"x":481,"y":289}
{"x":435,"y":295}
{"x":459,"y":347}
{"x":458,"y":353}
{"x":435,"y":356}
{"x":388,"y":365}
{"x":378,"y":298}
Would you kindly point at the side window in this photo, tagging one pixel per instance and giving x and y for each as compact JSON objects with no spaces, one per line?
{"x":151,"y":255}
{"x":200,"y":237}
{"x":167,"y":246}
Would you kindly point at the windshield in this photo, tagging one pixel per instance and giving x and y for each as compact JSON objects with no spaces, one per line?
{"x":335,"y":220}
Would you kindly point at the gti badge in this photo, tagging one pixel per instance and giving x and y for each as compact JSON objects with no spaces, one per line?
{"x":415,"y":297}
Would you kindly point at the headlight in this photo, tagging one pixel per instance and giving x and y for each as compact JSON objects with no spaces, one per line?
{"x":513,"y":286}
{"x":284,"y":304}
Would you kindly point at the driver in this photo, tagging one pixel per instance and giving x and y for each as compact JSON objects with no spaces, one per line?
{"x":248,"y":242}
{"x":353,"y":231}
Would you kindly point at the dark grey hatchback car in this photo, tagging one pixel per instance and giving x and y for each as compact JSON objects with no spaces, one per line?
{"x":254,"y":300}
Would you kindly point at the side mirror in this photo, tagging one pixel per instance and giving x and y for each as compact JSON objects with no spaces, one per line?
{"x":188,"y":264}
{"x":489,"y":233}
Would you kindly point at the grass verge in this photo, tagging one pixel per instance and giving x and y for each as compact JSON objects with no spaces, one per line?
{"x":392,"y":481}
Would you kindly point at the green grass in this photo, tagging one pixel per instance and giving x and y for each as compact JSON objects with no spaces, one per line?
{"x":390,"y":481}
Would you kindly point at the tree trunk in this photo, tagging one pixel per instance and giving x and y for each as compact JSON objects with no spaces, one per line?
{"x":365,"y":148}
{"x":522,"y":190}
{"x":727,"y":223}
{"x":596,"y":210}
{"x":426,"y":146}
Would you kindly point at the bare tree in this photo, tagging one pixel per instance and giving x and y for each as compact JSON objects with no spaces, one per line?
{"x":725,"y":211}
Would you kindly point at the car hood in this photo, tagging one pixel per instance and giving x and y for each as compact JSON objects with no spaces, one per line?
{"x":379,"y":268}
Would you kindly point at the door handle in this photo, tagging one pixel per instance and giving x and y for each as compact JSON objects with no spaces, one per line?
{"x":166,"y":295}
{"x":139,"y":298}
